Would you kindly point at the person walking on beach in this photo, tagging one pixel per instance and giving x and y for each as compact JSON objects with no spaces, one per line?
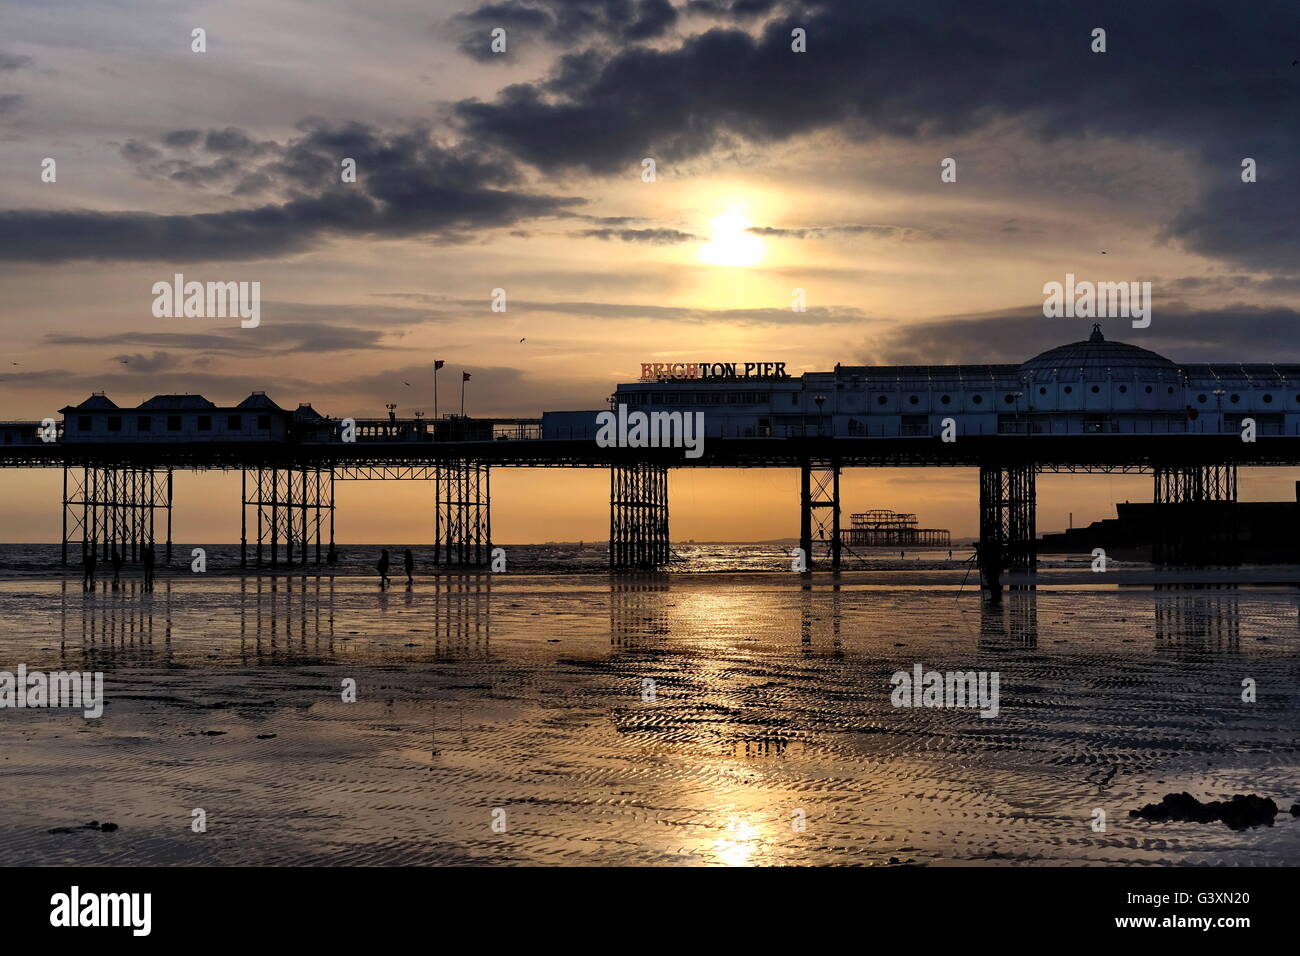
{"x":383,"y":568}
{"x":408,"y":562}
{"x":117,"y":569}
{"x":88,"y":569}
{"x":146,"y":555}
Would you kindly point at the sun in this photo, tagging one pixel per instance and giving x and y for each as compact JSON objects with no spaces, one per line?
{"x":730,"y":242}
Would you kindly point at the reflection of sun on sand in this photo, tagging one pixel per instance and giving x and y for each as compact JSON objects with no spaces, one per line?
{"x":737,"y":847}
{"x":730,"y":243}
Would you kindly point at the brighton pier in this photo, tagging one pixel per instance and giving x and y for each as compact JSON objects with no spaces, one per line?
{"x":1088,"y":406}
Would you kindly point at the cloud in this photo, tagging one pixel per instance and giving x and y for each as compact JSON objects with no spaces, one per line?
{"x":407,"y":185}
{"x":656,"y":237}
{"x":562,"y":23}
{"x":816,"y":315}
{"x":904,"y":233}
{"x":1188,"y":77}
{"x":1238,"y":333}
{"x":288,"y":328}
{"x":13,"y":61}
{"x":141,"y":364}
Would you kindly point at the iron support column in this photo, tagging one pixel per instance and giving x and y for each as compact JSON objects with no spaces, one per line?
{"x":638,"y":516}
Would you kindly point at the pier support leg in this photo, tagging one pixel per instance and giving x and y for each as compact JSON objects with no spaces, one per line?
{"x":111,"y":508}
{"x":462,"y":513}
{"x":1008,"y":507}
{"x":819,"y":510}
{"x":291,"y":506}
{"x":1195,"y":516}
{"x":638,"y":516}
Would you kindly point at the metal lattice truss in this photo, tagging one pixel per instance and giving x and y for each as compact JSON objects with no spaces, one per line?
{"x":1008,"y":503}
{"x":107,"y":509}
{"x":638,"y":516}
{"x":395,"y":472}
{"x":1195,"y":518}
{"x":290,"y":506}
{"x":462,"y":532}
{"x":819,"y":510}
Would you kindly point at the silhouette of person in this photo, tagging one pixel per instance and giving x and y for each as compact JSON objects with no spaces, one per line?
{"x":408,"y":561}
{"x":950,"y":554}
{"x":88,"y":569}
{"x":146,"y":554}
{"x":117,"y":569}
{"x":383,"y":568}
{"x":988,"y":555}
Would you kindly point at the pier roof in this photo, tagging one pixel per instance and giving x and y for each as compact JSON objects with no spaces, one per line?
{"x":177,"y":402}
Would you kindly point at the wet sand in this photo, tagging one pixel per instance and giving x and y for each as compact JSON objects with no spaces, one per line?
{"x":525,"y":694}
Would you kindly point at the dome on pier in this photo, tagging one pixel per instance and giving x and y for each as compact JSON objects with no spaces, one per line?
{"x":1095,"y":357}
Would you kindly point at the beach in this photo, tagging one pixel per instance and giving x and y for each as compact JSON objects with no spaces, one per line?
{"x":695,"y":719}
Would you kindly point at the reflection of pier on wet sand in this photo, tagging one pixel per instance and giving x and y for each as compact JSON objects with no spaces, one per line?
{"x":770,"y":694}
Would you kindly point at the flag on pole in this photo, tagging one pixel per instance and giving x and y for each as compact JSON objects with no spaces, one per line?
{"x":464,"y":376}
{"x":437,"y":364}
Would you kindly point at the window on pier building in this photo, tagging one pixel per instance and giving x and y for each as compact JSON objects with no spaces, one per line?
{"x":205,"y":423}
{"x":144,"y":423}
{"x":234,"y":423}
{"x":83,"y":423}
{"x":264,"y":423}
{"x":173,"y":423}
{"x":115,"y":423}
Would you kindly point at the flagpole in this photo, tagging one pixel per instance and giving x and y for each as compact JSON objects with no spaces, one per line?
{"x":435,"y":392}
{"x":462,"y":394}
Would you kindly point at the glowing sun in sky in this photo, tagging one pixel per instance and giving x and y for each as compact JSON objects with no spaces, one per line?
{"x":730,"y":244}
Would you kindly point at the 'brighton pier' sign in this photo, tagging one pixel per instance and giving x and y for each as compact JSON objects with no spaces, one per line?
{"x":737,"y":371}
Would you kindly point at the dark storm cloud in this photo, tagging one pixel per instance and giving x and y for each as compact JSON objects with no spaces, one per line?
{"x":407,"y":185}
{"x":9,"y":102}
{"x":1214,"y":82}
{"x":562,"y":22}
{"x":737,"y":9}
{"x":13,"y":61}
{"x":1230,"y":334}
{"x":236,"y":142}
{"x":655,"y":237}
{"x":182,"y":138}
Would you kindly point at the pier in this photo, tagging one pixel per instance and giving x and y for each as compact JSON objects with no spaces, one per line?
{"x":1088,"y":407}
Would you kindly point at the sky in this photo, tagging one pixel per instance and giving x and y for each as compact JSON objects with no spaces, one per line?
{"x":523,"y":170}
